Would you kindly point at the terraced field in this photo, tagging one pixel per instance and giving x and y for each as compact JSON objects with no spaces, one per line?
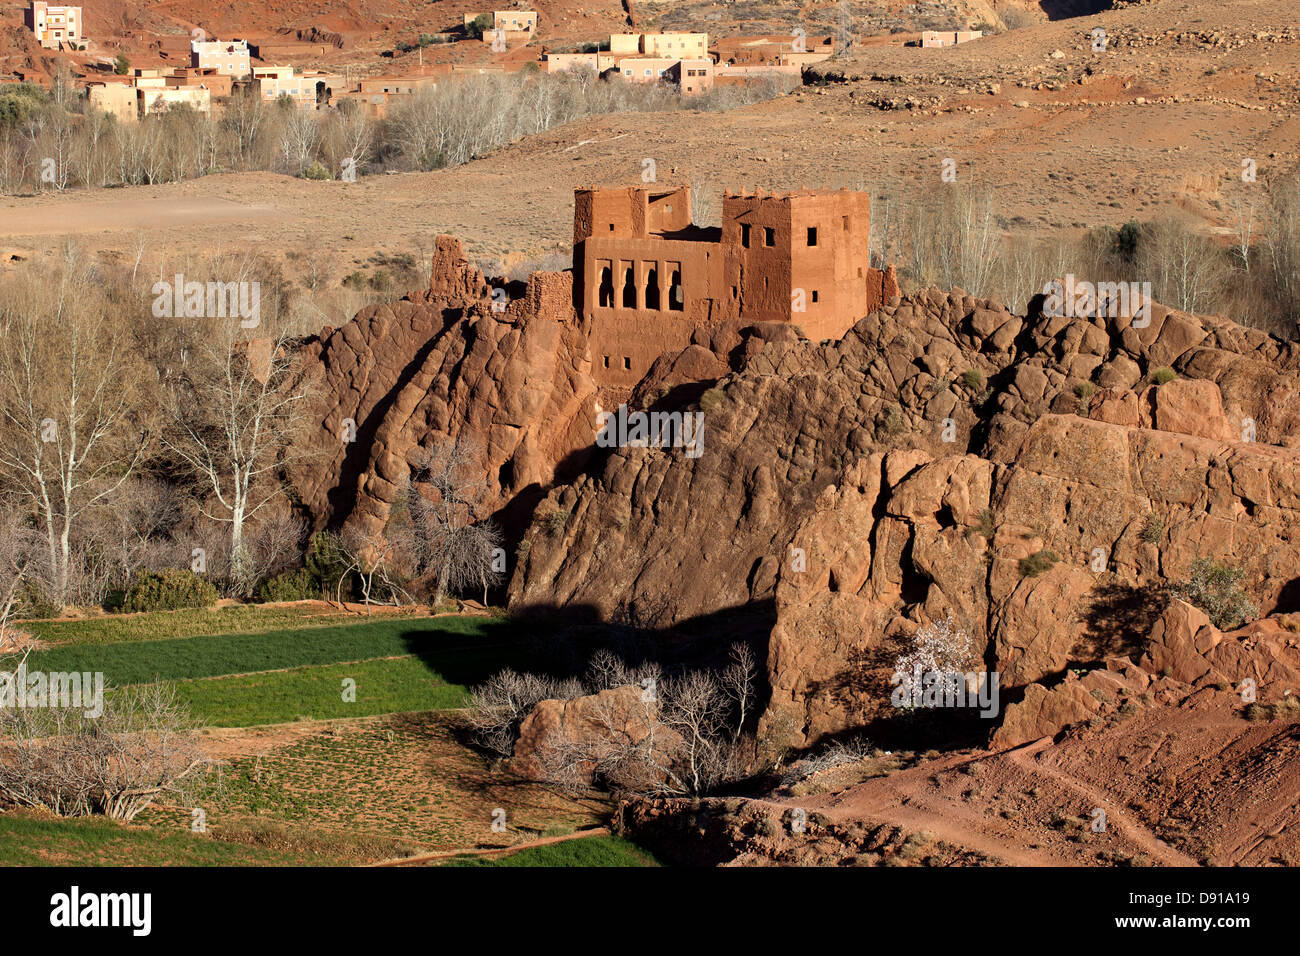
{"x":335,"y":739}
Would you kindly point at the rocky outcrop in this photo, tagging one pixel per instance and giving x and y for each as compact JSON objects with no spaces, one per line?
{"x":1184,"y":656}
{"x":615,"y":732}
{"x":944,"y":459}
{"x":438,"y":365}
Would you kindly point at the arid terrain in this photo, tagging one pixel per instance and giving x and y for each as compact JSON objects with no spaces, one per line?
{"x":1161,"y":120}
{"x":1102,"y":505}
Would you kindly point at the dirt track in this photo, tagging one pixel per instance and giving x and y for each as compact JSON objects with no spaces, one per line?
{"x":1179,"y":786}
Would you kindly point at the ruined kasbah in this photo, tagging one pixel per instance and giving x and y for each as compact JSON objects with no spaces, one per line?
{"x":646,"y":278}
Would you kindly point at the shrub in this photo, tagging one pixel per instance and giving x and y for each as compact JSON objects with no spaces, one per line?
{"x":710,"y":399}
{"x":1162,"y":375}
{"x":478,"y":26}
{"x":987,"y":525}
{"x":940,"y":647}
{"x":316,"y":171}
{"x":1213,"y":588}
{"x":121,"y":65}
{"x":1153,"y":529}
{"x":299,"y":585}
{"x":1038,"y":562}
{"x":894,"y":420}
{"x":169,"y":590}
{"x":974,"y":379}
{"x":1085,"y":390}
{"x":325,"y":563}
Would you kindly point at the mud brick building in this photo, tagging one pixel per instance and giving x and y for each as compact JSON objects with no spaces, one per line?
{"x":646,"y":277}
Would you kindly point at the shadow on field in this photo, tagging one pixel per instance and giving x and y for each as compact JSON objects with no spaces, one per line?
{"x":560,"y":641}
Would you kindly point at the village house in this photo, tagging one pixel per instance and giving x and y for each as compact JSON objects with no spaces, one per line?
{"x":772,"y":50}
{"x":692,"y":76}
{"x":54,"y":26}
{"x":515,"y":21}
{"x":230,"y":57}
{"x":676,"y":46}
{"x":116,"y":96}
{"x":160,"y":98}
{"x":644,"y":69}
{"x":403,"y":85}
{"x":218,"y":84}
{"x":512,"y":26}
{"x":597,"y":62}
{"x":273,"y":82}
{"x":645,"y":277}
{"x":726,"y":75}
{"x":931,"y":38}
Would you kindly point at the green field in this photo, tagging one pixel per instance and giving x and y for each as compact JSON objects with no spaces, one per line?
{"x":585,"y":851}
{"x":448,"y":643}
{"x":197,"y":622}
{"x":30,"y":840}
{"x":395,"y":685}
{"x":391,"y":775}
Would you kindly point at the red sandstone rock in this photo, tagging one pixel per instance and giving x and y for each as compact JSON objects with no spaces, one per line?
{"x":601,"y":725}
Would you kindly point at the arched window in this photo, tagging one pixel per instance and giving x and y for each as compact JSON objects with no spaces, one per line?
{"x":652,"y":289}
{"x":629,"y":289}
{"x":605,"y":293}
{"x":676,"y":298}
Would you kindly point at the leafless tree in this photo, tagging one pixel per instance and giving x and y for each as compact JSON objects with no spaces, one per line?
{"x":18,"y":547}
{"x":70,"y":431}
{"x":367,"y":557}
{"x":1186,"y":268}
{"x":116,"y":764}
{"x":298,"y":138}
{"x":236,"y":408}
{"x":245,"y":117}
{"x":738,"y":683}
{"x":499,"y":706}
{"x":448,"y":488}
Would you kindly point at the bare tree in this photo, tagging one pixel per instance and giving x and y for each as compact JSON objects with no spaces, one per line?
{"x":738,"y":682}
{"x":245,"y":117}
{"x":298,"y":139}
{"x":1186,"y":268}
{"x":116,"y":764}
{"x":236,"y":408}
{"x":17,"y":548}
{"x":448,"y":541}
{"x":70,"y":427}
{"x":366,"y":556}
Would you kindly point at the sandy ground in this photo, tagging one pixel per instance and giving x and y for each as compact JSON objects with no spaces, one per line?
{"x":1178,"y":787}
{"x":1083,"y":155}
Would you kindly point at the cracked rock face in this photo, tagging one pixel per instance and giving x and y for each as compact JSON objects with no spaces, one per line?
{"x":439,"y":364}
{"x":945,"y":458}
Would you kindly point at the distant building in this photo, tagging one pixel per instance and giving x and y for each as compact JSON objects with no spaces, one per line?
{"x":55,"y":25}
{"x":515,"y":21}
{"x":401,"y":85}
{"x":273,"y":82}
{"x":118,"y":99}
{"x":773,"y":50}
{"x":159,"y":99}
{"x":644,"y":69}
{"x":559,"y":62}
{"x":675,"y":46}
{"x":931,"y":38}
{"x":512,"y":26}
{"x":229,"y":57}
{"x":692,"y":76}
